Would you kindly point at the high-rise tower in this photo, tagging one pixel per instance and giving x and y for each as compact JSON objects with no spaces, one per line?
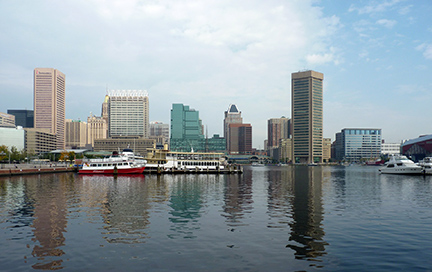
{"x":307,"y":116}
{"x":232,"y":116}
{"x":128,"y":113}
{"x":49,"y":102}
{"x":186,"y":129}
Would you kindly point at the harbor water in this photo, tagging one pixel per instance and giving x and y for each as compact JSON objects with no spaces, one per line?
{"x":286,"y":218}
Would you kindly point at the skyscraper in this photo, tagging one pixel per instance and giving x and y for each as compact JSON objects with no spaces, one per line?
{"x":240,"y":139}
{"x":128,"y":113}
{"x":232,"y":116}
{"x":277,"y":128}
{"x":307,"y":116}
{"x":49,"y":102}
{"x":186,"y":129}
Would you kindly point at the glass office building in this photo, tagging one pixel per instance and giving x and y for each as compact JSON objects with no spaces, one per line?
{"x":358,"y":144}
{"x":187,"y":132}
{"x":23,"y":118}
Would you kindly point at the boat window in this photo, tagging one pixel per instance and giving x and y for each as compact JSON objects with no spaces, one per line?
{"x":390,"y":165}
{"x":399,"y":164}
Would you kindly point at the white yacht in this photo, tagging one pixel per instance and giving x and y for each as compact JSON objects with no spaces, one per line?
{"x":399,"y":164}
{"x":426,"y":163}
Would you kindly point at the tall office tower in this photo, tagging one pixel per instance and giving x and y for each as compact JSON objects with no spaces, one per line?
{"x":23,"y":118}
{"x":186,"y":129}
{"x":76,"y":134}
{"x":97,"y":128}
{"x":49,"y":102}
{"x":277,"y":128}
{"x":232,"y":116}
{"x":307,"y":116}
{"x":104,"y":113}
{"x":354,"y":144}
{"x":240,"y":139}
{"x":128,"y":113}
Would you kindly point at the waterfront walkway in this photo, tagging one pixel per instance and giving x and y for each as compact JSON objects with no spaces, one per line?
{"x":29,"y":169}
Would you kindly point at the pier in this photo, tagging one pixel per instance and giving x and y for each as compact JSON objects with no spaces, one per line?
{"x":31,"y":169}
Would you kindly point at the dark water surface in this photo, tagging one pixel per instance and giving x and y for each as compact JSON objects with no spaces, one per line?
{"x":267,"y":219}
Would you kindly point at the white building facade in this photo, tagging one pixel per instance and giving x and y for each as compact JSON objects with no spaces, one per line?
{"x":128,"y":113}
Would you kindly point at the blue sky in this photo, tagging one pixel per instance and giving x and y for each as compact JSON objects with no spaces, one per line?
{"x":376,"y":57}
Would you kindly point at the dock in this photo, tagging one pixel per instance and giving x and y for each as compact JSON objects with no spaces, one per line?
{"x":31,"y":169}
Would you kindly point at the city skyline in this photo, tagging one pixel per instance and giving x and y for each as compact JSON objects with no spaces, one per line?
{"x":375,"y":56}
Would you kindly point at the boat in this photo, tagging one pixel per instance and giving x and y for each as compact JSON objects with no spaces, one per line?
{"x":257,"y":164}
{"x":163,"y":160}
{"x":426,"y":163}
{"x":378,"y":162}
{"x":123,"y":163}
{"x":399,"y":164}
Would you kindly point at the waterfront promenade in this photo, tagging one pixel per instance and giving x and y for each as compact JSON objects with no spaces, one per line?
{"x":29,"y":169}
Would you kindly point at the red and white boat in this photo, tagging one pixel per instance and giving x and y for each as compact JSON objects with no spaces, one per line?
{"x":124,"y":163}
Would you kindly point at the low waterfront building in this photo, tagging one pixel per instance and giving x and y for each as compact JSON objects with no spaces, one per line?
{"x":356,"y":144}
{"x":418,"y":148}
{"x":390,"y":148}
{"x":138,"y":145}
{"x":12,"y":137}
{"x":39,"y":140}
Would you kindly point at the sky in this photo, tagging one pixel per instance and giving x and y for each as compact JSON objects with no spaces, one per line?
{"x":376,"y":57}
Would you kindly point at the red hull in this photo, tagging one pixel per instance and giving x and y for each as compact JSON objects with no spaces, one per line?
{"x":135,"y":170}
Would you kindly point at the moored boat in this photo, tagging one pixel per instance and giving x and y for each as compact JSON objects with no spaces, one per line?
{"x":426,"y":163}
{"x":124,"y":163}
{"x":399,"y":164}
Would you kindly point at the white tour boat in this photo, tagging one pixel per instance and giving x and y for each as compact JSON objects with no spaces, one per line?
{"x":124,"y":163}
{"x":399,"y":164}
{"x":165,"y":160}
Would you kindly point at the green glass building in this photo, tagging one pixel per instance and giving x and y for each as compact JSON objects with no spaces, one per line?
{"x":187,"y":132}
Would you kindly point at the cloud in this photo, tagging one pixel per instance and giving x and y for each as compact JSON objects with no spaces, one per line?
{"x":181,"y":51}
{"x":386,"y":23}
{"x":317,"y":59}
{"x":375,"y":7}
{"x":427,"y":50}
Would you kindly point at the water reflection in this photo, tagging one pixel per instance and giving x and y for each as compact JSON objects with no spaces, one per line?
{"x":307,"y":212}
{"x":123,"y":204}
{"x":237,"y":198}
{"x":50,"y":220}
{"x":186,"y":203}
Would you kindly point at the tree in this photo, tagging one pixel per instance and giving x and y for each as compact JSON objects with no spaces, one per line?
{"x":71,"y":155}
{"x":64,"y":156}
{"x":4,"y":153}
{"x":15,"y":155}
